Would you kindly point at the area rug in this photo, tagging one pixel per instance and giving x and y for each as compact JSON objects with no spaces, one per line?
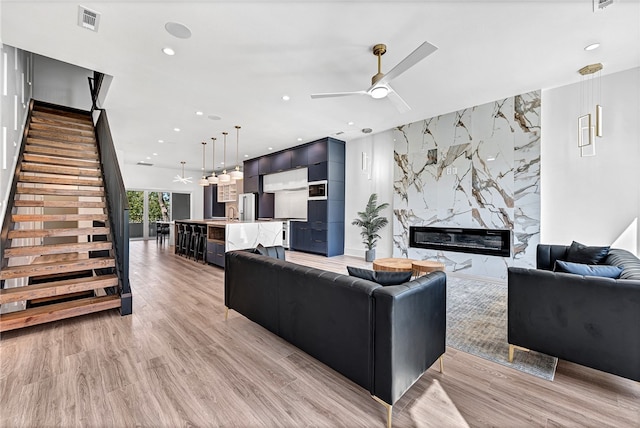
{"x":477,"y":324}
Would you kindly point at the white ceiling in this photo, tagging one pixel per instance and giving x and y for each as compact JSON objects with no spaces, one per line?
{"x":243,"y":56}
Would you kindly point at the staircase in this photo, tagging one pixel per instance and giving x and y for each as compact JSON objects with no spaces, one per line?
{"x":58,"y":261}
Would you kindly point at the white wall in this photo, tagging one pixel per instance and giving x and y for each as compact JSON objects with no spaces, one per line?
{"x":378,"y":178}
{"x":138,"y":177}
{"x":61,"y":83}
{"x":15,"y":93}
{"x":591,"y":199}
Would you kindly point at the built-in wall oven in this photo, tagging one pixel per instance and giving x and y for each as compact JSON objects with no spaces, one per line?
{"x":318,"y":190}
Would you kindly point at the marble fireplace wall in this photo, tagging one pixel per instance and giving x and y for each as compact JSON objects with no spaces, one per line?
{"x":479,"y":168}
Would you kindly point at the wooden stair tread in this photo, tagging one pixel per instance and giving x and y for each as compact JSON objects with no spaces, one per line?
{"x":56,"y":288}
{"x":59,"y":204}
{"x":61,"y":144}
{"x":61,"y":118}
{"x":74,"y":154}
{"x":57,"y":123}
{"x":84,"y":116}
{"x":17,"y":218}
{"x":58,"y":136}
{"x":44,"y":233}
{"x":57,"y":311}
{"x":43,"y":159}
{"x":63,"y":170}
{"x":59,"y":129}
{"x":71,"y":181}
{"x":23,"y":271}
{"x":74,"y":247}
{"x":59,"y":192}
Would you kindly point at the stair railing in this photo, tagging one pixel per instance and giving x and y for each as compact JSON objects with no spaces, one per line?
{"x":95,"y":84}
{"x":7,"y":223}
{"x":118,"y":207}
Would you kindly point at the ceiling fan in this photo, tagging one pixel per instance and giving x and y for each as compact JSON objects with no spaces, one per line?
{"x":181,"y":178}
{"x":380,"y":87}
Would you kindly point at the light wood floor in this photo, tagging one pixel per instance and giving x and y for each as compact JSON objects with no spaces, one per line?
{"x":176,"y":362}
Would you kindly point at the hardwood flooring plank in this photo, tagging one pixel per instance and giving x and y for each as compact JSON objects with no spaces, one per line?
{"x":176,"y":362}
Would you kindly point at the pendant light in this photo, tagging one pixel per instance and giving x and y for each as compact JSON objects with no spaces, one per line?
{"x":237,"y":174}
{"x":212,"y":178}
{"x":203,"y":181}
{"x":224,"y":177}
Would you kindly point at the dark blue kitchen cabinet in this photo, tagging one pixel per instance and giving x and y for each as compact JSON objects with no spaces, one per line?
{"x":264,"y":165}
{"x":251,"y":168}
{"x":251,"y":184}
{"x":299,"y":157}
{"x":281,"y":161}
{"x":212,"y":208}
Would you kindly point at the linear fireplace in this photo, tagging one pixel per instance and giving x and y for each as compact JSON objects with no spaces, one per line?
{"x":493,"y":242}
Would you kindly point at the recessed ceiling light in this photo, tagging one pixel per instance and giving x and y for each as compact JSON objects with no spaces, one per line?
{"x":199,"y":113}
{"x":148,"y":157}
{"x":350,"y":123}
{"x":214,"y":117}
{"x":176,"y":129}
{"x":155,"y":154}
{"x":168,"y":51}
{"x":489,"y":159}
{"x":270,"y":148}
{"x":160,"y":141}
{"x":299,"y":139}
{"x":592,"y":46}
{"x":286,"y":98}
{"x":246,"y":156}
{"x":177,"y":30}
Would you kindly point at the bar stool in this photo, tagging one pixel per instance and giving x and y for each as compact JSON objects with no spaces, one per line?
{"x":195,"y":239}
{"x":201,"y":251}
{"x":180,"y":235}
{"x":163,"y":231}
{"x":186,"y":240}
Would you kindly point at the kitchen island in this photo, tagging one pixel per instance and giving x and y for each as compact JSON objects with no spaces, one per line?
{"x":227,"y":235}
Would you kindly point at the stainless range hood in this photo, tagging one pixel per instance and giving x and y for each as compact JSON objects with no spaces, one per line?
{"x":295,"y":179}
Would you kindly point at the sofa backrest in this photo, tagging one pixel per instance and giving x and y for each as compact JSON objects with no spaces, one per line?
{"x":547,"y":255}
{"x":325,"y":314}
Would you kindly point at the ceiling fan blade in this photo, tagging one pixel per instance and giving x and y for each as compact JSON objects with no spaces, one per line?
{"x":337,"y":94}
{"x":397,"y":101}
{"x":421,"y":52}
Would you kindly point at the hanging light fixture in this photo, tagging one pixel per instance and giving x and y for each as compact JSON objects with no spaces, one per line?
{"x":212,"y":178}
{"x":237,"y":174}
{"x":203,"y":181}
{"x":588,"y":129}
{"x":224,"y":177}
{"x":181,"y":178}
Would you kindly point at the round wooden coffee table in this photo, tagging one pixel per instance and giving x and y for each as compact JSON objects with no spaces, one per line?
{"x":393,"y":264}
{"x":421,"y":267}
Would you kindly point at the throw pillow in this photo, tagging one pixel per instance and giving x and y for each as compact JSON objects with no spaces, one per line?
{"x":580,"y":253}
{"x":381,"y":277}
{"x":261,"y":250}
{"x":606,"y":271}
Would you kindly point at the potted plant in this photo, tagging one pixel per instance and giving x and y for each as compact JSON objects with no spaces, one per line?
{"x":371,"y":222}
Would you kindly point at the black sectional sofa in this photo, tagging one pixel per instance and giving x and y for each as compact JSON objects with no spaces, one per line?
{"x":382,"y":338}
{"x":589,"y":320}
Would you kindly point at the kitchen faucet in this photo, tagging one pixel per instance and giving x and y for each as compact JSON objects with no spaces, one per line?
{"x":232,"y":212}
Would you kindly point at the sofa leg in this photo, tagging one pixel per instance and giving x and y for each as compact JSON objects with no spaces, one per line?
{"x":513,"y":348}
{"x":441,"y":363}
{"x":226,"y":313}
{"x":389,"y":408}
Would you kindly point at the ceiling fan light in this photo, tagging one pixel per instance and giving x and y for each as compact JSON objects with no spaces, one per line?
{"x":379,"y":92}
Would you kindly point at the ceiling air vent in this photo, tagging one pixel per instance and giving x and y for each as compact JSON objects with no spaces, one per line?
{"x":88,"y":18}
{"x":143,"y":163}
{"x":601,"y":4}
